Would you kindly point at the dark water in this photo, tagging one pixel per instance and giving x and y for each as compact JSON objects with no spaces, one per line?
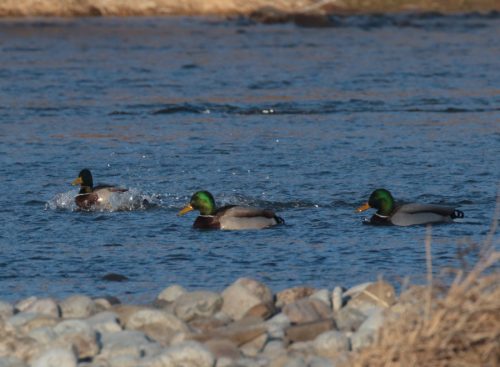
{"x":306,"y":121}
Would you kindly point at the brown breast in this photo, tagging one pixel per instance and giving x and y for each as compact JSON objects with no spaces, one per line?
{"x":86,"y":201}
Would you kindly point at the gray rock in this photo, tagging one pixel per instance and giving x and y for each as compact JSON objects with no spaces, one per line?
{"x":308,"y":331}
{"x":187,"y":354}
{"x":315,"y":361}
{"x":291,"y":295}
{"x":379,"y":294}
{"x":189,"y":306}
{"x":356,"y":289}
{"x":22,"y":305}
{"x":276,"y":326}
{"x":274,"y":348}
{"x":323,"y":295}
{"x":307,"y":310}
{"x":254,"y":346}
{"x":44,"y":306}
{"x":78,"y":334}
{"x":337,"y":300}
{"x":77,"y":306}
{"x":24,"y":322}
{"x":244,"y":294}
{"x":368,"y":331}
{"x":105,"y":322}
{"x":295,"y":362}
{"x":159,"y":325}
{"x":127,"y":342}
{"x":223,"y":348}
{"x":349,"y":319}
{"x":55,"y":357}
{"x":6,"y":310}
{"x":43,"y":335}
{"x":331,"y":343}
{"x":170,"y":294}
{"x":102,"y":304}
{"x":11,"y":362}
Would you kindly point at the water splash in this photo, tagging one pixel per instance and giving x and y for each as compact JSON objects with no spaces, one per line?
{"x":133,"y":199}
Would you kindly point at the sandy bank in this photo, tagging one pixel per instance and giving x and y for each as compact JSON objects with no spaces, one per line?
{"x":67,"y":8}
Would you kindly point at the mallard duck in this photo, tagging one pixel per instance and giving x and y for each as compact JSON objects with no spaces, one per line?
{"x":93,"y":197}
{"x":390,"y":213}
{"x":228,"y":217}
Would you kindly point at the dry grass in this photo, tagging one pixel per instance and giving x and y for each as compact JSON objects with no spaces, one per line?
{"x":458,"y":327}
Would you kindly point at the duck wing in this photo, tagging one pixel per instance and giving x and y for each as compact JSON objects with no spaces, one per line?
{"x":240,"y":217}
{"x":110,"y":188}
{"x":414,"y":214}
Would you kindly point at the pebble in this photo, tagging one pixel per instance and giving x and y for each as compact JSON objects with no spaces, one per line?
{"x":242,"y":295}
{"x":78,"y":306}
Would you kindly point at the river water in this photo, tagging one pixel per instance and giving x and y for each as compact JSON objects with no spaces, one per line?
{"x":307,"y":121}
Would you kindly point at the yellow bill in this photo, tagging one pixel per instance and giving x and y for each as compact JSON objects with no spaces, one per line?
{"x":363,"y":207}
{"x":185,"y":210}
{"x":77,"y":181}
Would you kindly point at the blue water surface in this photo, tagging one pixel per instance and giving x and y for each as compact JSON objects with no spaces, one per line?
{"x":307,"y":121}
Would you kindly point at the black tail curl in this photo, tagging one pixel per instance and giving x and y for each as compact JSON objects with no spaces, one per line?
{"x":279,"y":220}
{"x":457,"y":214}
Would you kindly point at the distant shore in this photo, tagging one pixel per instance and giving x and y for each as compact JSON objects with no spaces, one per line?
{"x":75,"y":8}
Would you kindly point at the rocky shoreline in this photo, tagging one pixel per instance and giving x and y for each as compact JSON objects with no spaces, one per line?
{"x":280,"y":9}
{"x":245,"y":325}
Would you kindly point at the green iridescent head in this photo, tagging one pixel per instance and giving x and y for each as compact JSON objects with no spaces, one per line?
{"x":380,"y":199}
{"x":85,"y":181}
{"x":203,"y":201}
